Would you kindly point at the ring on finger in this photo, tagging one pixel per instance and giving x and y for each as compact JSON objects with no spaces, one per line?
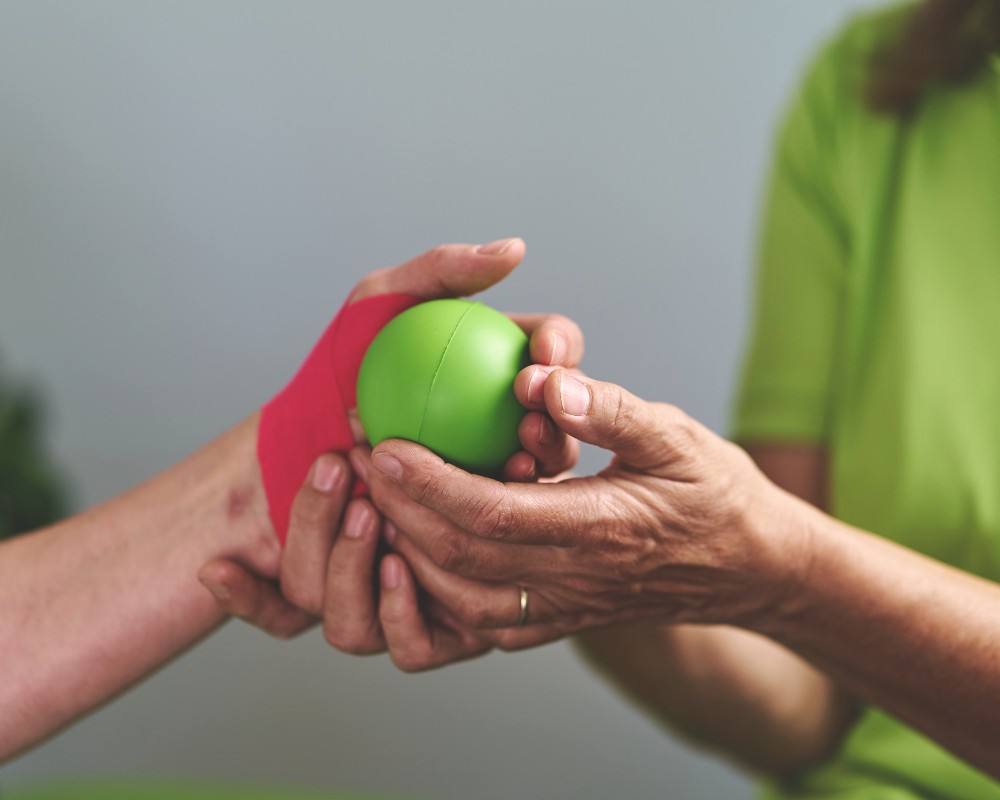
{"x":523,"y":601}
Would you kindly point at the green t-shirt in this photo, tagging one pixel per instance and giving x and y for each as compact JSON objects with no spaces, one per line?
{"x":876,"y":335}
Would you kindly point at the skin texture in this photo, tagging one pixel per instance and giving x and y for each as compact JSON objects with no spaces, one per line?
{"x":69,"y":640}
{"x":332,"y":557}
{"x":728,"y":689}
{"x":683,"y":528}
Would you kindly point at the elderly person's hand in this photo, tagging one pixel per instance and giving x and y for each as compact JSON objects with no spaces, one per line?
{"x":682,"y":527}
{"x":332,"y":553}
{"x":675,"y":529}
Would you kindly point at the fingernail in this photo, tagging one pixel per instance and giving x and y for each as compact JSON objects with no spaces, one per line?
{"x":390,"y":466}
{"x":389,"y":532}
{"x":536,"y":385}
{"x":573,"y":396}
{"x":495,"y":248}
{"x":325,"y":474}
{"x":219,"y":592}
{"x":356,"y":523}
{"x":390,"y":573}
{"x":559,"y":348}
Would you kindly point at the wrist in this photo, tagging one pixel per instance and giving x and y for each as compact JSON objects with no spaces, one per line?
{"x":241,"y":529}
{"x":783,"y":533}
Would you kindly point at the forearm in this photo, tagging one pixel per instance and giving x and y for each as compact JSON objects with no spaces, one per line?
{"x":96,"y":602}
{"x":907,"y":633}
{"x":727,"y":689}
{"x":892,"y":627}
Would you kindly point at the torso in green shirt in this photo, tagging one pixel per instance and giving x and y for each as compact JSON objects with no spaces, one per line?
{"x":877,"y":336}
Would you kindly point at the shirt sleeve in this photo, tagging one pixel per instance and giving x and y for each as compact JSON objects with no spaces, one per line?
{"x":786,"y":389}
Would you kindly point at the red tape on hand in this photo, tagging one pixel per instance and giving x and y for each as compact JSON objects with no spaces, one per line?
{"x":309,"y":416}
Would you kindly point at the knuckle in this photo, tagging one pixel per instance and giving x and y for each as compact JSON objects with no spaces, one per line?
{"x":494,"y":517}
{"x":306,"y":598}
{"x":674,"y":416}
{"x":309,"y":512}
{"x":346,"y":641}
{"x":622,"y":413}
{"x":338,"y":570}
{"x":334,"y":636}
{"x":434,"y":487}
{"x":438,"y":253}
{"x":437,"y":257}
{"x":285,"y":632}
{"x":449,"y":552}
{"x":425,"y":488}
{"x":408,"y":660}
{"x":373,"y":283}
{"x":683,"y":433}
{"x":474,"y":614}
{"x":507,"y":641}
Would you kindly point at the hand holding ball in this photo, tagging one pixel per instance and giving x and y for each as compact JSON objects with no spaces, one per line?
{"x":442,"y":374}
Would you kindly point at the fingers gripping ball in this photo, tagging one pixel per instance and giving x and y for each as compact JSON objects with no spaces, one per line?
{"x":442,"y":374}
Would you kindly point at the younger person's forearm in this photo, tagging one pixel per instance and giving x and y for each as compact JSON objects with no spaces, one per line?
{"x":96,"y":602}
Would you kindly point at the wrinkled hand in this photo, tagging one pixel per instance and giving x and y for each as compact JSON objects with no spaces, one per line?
{"x":331,"y":577}
{"x":674,"y":529}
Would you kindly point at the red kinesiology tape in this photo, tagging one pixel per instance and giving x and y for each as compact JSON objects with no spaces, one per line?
{"x":309,"y":416}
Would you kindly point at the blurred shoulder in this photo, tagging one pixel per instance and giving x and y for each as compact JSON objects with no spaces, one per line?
{"x":844,"y":60}
{"x":832,"y":89}
{"x":865,"y":32}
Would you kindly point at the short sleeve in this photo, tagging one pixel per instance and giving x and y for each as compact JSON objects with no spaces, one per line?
{"x":787,"y":380}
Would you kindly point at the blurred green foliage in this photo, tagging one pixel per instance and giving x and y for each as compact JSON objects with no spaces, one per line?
{"x":32,"y":492}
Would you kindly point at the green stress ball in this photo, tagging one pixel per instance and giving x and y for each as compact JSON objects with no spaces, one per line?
{"x":442,"y":374}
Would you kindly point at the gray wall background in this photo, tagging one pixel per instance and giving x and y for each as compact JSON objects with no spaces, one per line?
{"x":187,"y":191}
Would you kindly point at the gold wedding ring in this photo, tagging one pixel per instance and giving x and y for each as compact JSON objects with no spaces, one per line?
{"x":523,"y":617}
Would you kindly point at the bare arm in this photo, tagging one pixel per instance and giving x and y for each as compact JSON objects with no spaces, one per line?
{"x":909,"y":634}
{"x":94,"y":603}
{"x":726,"y":688}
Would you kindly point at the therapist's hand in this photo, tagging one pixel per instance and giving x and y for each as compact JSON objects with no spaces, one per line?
{"x":678,"y":528}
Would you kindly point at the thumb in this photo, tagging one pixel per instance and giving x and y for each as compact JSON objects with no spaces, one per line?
{"x":643,"y":435}
{"x":449,"y":270}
